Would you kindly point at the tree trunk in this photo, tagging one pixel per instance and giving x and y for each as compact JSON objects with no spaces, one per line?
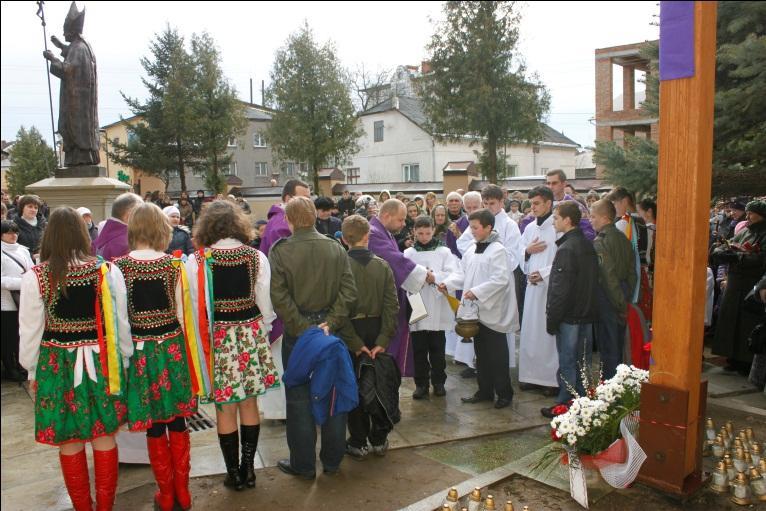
{"x":492,"y":158}
{"x":315,"y":178}
{"x":181,"y":170}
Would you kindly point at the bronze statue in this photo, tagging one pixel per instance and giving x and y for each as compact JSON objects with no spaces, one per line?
{"x":78,"y":96}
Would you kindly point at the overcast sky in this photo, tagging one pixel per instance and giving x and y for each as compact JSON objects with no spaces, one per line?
{"x":558,"y":40}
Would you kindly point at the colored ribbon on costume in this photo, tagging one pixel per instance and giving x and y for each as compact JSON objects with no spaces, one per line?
{"x":204,"y":309}
{"x":106,"y":327}
{"x":199,"y":379}
{"x":630,"y":229}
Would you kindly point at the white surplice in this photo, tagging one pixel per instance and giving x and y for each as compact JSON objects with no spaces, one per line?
{"x":486,"y":275}
{"x":443,"y":263}
{"x":538,"y":356}
{"x":510,"y":236}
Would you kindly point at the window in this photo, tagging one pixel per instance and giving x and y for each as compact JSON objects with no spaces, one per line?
{"x":289,"y":168}
{"x":231,"y":170}
{"x":198,"y":172}
{"x":132,"y":138}
{"x":116,"y":140}
{"x":352,"y":176}
{"x":543,"y":171}
{"x":378,"y":131}
{"x":259,"y":140}
{"x":233,"y":142}
{"x":261,"y":168}
{"x":513,"y":170}
{"x":411,"y":172}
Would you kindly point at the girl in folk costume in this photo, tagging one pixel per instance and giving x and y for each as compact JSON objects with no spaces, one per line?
{"x":230,"y":284}
{"x":75,"y":340}
{"x":160,"y":392}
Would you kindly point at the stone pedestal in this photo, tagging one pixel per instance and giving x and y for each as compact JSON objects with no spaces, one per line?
{"x":81,"y":186}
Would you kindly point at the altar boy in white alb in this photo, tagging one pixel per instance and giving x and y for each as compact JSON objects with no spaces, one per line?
{"x":484,"y":276}
{"x":538,"y":357}
{"x":428,"y":334}
{"x":509,"y":236}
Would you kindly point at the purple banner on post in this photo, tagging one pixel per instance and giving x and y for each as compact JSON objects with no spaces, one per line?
{"x":676,"y":40}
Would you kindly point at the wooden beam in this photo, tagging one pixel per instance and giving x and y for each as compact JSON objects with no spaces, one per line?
{"x":684,"y":181}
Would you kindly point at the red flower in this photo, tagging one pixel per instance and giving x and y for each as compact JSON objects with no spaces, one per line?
{"x":98,"y":428}
{"x":47,"y":435}
{"x":555,"y":435}
{"x":69,"y":396}
{"x":560,"y":409}
{"x":269,"y":381}
{"x":121,"y":409}
{"x":219,"y":335}
{"x":242,"y":367}
{"x":228,"y":392}
{"x":244,"y":357}
{"x":173,"y":348}
{"x":218,"y":395}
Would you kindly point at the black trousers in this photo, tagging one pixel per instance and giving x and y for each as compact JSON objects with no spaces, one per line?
{"x":492,"y":363}
{"x":362,"y":425}
{"x":10,"y":340}
{"x":521,"y":289}
{"x":428,"y":352}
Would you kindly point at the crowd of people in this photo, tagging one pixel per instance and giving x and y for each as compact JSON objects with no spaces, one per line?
{"x":314,"y":314}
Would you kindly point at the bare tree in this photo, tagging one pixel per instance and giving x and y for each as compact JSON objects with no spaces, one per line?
{"x":371,"y":87}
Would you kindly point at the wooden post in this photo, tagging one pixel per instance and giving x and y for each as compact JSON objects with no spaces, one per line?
{"x":674,"y":399}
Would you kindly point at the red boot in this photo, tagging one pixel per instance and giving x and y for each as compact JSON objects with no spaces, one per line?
{"x":162,"y":466}
{"x":106,"y":466}
{"x":179,"y":449}
{"x":75,"y":470}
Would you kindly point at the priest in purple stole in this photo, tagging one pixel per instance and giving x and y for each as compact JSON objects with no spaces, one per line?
{"x":409,"y":277}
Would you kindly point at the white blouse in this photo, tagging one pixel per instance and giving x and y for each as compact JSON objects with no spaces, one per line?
{"x":13,"y":254}
{"x":262,"y":282}
{"x":32,"y":321}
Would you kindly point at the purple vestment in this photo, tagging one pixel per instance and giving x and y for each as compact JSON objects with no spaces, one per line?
{"x":112,"y":241}
{"x":585,"y":226}
{"x":383,"y":245}
{"x":276,"y":229}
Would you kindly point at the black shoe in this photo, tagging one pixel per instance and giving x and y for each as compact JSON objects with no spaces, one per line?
{"x":439,"y":390}
{"x":14,"y":376}
{"x":468,"y":373}
{"x":547,"y":412}
{"x":476,"y":398}
{"x":502,"y":403}
{"x":331,"y":471}
{"x":527,"y":386}
{"x":230,"y":449}
{"x":284,"y":466}
{"x":249,"y":445}
{"x":420,"y":393}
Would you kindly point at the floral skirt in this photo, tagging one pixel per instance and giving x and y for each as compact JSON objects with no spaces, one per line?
{"x":159,"y":385}
{"x":66,"y":414}
{"x":242,"y":363}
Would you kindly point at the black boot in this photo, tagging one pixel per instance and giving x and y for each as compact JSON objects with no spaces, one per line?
{"x":249,"y":445}
{"x":230,"y":449}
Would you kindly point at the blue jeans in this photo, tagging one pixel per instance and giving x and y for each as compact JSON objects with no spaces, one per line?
{"x":573,"y":342}
{"x":302,"y":431}
{"x":610,"y":334}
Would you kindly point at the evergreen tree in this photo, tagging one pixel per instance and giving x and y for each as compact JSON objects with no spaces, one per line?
{"x":33,"y":160}
{"x":219,"y":113}
{"x":739,"y":150}
{"x":479,"y":84}
{"x":315,"y":120}
{"x":163,"y":139}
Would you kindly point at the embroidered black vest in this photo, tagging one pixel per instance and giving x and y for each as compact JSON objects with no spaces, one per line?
{"x":235,"y":271}
{"x":70,"y":320}
{"x":151,"y":300}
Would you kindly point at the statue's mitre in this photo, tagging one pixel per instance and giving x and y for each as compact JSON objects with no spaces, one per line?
{"x":74,"y":20}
